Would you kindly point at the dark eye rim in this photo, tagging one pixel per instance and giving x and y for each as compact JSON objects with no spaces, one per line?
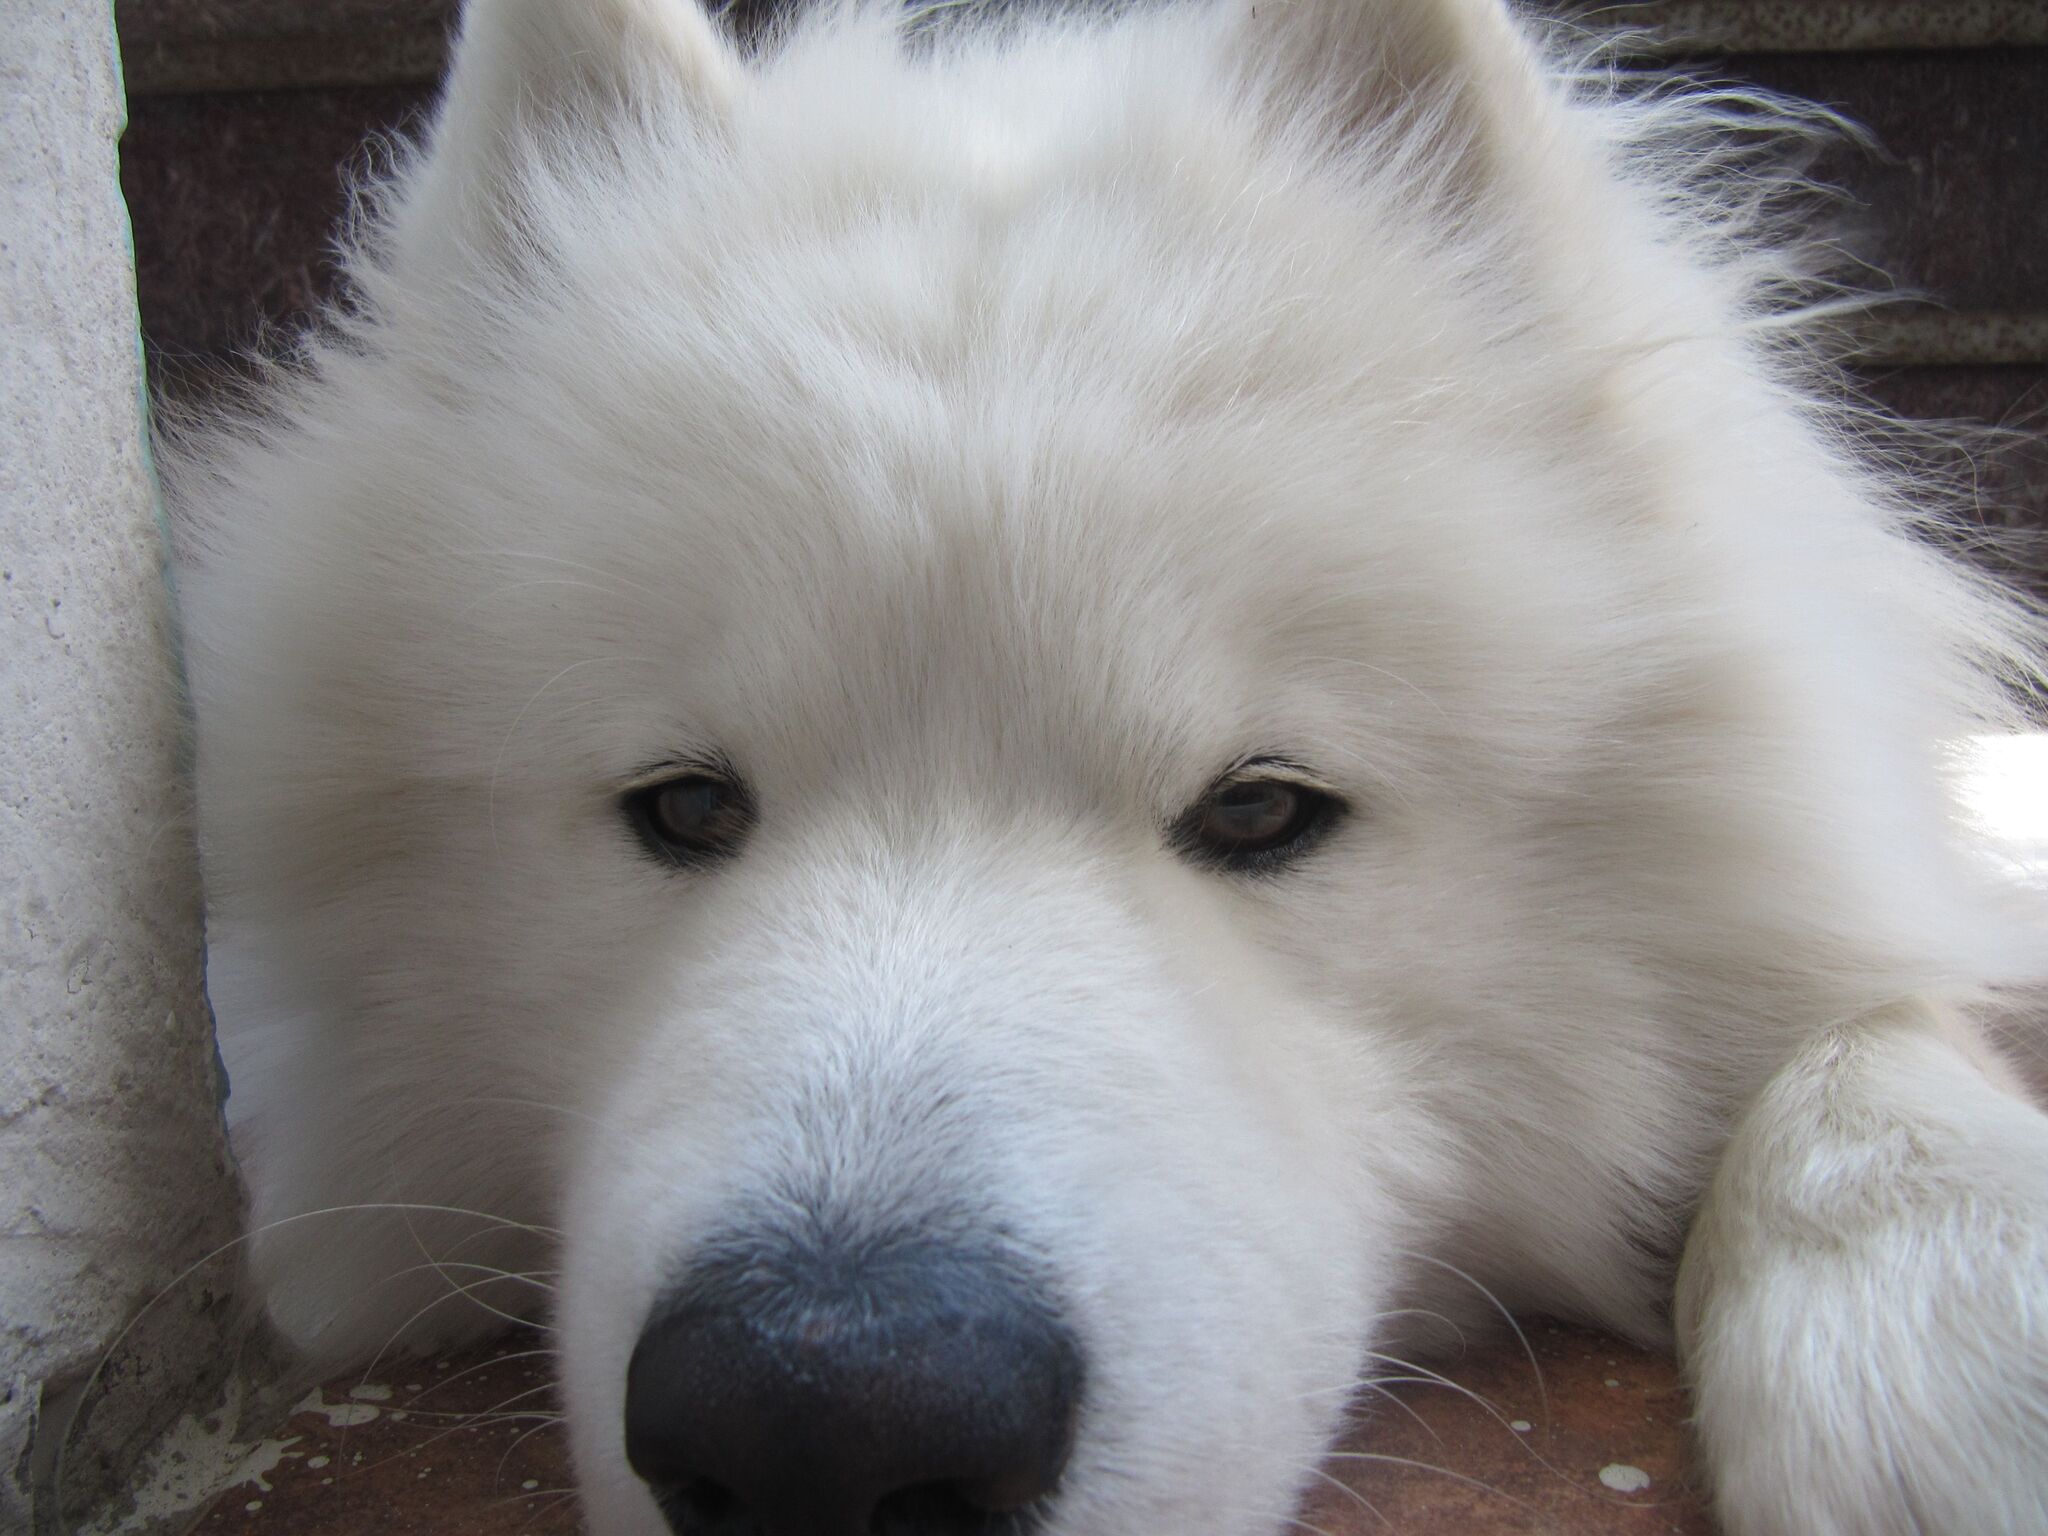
{"x":639,"y":806}
{"x":1319,"y":811}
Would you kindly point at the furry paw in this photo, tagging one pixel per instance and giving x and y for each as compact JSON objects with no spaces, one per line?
{"x":1864,"y":1298}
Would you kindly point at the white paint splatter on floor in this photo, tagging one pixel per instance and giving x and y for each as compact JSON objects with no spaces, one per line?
{"x":1623,"y":1478}
{"x":198,"y":1459}
{"x":338,"y":1415}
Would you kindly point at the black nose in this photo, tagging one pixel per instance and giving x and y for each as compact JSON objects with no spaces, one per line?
{"x":902,"y":1387}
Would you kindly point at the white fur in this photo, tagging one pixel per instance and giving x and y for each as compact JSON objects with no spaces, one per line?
{"x":983,"y":441}
{"x":1862,"y":1292}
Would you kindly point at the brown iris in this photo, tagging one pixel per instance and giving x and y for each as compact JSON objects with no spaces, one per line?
{"x":692,"y":817}
{"x":1255,"y":818}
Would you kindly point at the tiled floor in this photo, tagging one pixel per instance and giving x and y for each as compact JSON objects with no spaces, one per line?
{"x":469,"y":1447}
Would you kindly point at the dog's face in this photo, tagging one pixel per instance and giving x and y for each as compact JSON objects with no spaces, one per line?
{"x":988,"y":729}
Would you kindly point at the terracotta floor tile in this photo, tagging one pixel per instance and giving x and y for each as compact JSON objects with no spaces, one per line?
{"x":468,"y":1446}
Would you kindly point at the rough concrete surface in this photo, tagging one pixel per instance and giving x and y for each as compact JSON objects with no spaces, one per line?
{"x":113,"y":1171}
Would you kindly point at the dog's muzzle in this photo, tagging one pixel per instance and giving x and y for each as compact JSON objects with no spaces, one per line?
{"x":901,"y":1386}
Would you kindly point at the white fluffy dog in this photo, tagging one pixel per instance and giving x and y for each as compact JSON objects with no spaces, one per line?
{"x":1016,"y":729}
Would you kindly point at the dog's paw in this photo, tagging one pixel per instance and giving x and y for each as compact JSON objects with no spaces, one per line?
{"x":1864,"y":1297}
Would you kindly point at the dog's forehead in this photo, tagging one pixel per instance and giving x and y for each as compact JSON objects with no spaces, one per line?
{"x":1041,"y":443}
{"x":1025,"y":545}
{"x":813,"y":591}
{"x":982,"y":370}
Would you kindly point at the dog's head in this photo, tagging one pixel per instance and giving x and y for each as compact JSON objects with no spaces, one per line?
{"x":1023,"y":719}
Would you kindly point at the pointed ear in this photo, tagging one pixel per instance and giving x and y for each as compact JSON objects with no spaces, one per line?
{"x":1463,"y":64}
{"x":1461,"y":92}
{"x":520,"y":66}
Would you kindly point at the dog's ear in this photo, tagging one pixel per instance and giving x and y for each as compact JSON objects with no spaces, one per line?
{"x":1463,"y":68}
{"x":1462,"y":94}
{"x":524,"y":68}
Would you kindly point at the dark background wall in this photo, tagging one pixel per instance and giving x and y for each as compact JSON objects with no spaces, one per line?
{"x":247,"y":117}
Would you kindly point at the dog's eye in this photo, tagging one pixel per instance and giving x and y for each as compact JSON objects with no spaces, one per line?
{"x":691,"y":818}
{"x":1250,"y":821}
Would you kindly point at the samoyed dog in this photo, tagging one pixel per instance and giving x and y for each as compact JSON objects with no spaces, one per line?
{"x":987,"y":737}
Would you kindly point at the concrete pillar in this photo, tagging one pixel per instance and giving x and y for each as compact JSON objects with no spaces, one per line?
{"x":113,"y":1168}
